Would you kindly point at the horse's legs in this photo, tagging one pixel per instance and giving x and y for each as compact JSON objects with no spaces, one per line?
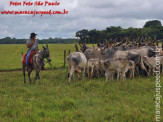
{"x":37,"y":76}
{"x":29,"y":73}
{"x":24,"y":74}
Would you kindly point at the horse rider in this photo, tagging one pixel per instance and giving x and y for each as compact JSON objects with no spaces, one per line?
{"x":32,"y":45}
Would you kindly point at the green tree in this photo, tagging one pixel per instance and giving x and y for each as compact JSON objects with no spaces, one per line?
{"x":113,"y":32}
{"x":94,"y":36}
{"x":102,"y":35}
{"x":83,"y":35}
{"x":153,"y":23}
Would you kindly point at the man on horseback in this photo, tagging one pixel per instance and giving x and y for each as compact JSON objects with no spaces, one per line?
{"x":34,"y":59}
{"x":32,"y":45}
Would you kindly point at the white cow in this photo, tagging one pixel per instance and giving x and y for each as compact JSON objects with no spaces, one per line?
{"x":119,"y":66}
{"x":76,"y":61}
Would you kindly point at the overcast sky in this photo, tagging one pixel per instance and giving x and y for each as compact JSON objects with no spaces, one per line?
{"x":83,"y":14}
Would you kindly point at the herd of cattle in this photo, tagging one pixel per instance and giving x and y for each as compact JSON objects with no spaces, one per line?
{"x":120,"y":60}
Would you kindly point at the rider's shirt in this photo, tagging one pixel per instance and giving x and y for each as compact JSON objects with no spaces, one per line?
{"x":34,"y":46}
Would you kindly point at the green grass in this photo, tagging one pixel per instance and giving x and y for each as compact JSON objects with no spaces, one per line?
{"x":10,"y":55}
{"x":82,"y":100}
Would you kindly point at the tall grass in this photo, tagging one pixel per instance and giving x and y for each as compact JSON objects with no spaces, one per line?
{"x":82,"y":100}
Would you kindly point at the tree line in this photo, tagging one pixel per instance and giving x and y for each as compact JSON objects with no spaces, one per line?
{"x":9,"y":40}
{"x":151,"y":31}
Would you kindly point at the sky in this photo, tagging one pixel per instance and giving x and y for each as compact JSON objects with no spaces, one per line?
{"x":83,"y":14}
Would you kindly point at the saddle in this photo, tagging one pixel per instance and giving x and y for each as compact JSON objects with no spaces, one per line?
{"x":30,"y":57}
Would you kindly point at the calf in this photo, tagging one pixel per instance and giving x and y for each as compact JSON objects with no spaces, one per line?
{"x":76,"y":61}
{"x":131,"y":68}
{"x":119,"y":66}
{"x":94,"y":65}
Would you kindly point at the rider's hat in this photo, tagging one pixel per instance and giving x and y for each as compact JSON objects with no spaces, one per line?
{"x":32,"y":35}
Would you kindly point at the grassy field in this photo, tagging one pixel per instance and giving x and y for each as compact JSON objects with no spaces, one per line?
{"x":82,"y":100}
{"x":10,"y":55}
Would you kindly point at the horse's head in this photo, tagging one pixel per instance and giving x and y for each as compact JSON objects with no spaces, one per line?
{"x":46,"y":53}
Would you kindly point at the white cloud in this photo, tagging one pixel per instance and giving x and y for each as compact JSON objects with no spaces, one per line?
{"x":92,"y":14}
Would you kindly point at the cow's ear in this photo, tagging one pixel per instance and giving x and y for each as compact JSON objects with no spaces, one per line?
{"x":47,"y":46}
